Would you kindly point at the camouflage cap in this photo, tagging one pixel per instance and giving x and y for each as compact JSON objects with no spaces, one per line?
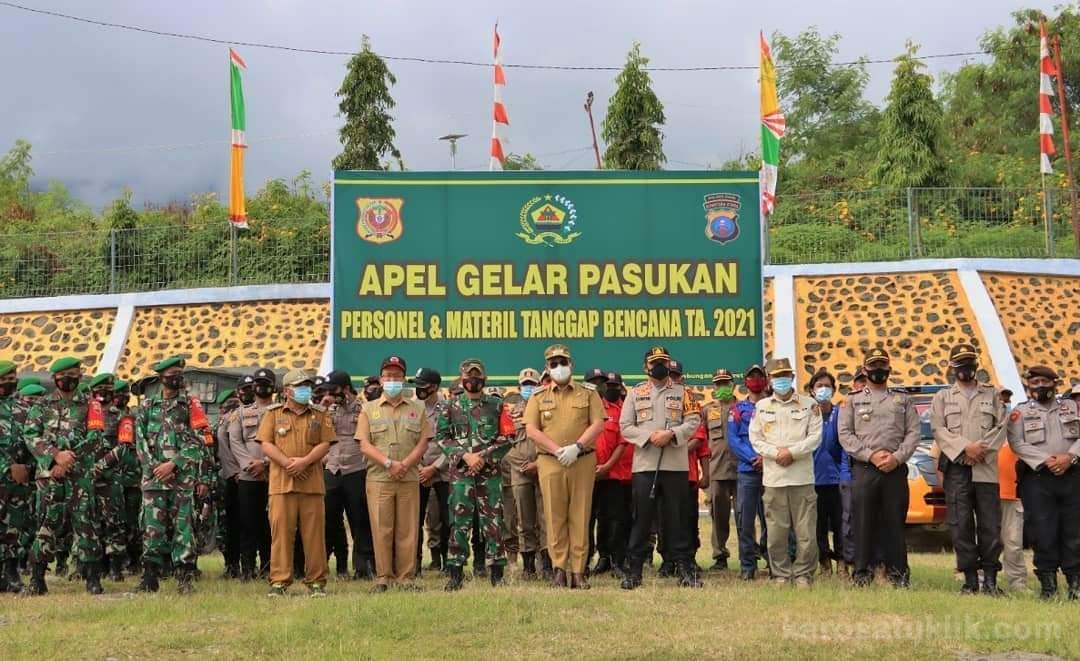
{"x":470,"y":364}
{"x":32,"y":390}
{"x":556,"y":351}
{"x":875,"y":355}
{"x":6,"y":367}
{"x":65,"y":363}
{"x":722,"y":375}
{"x":962,"y":353}
{"x":225,"y":394}
{"x":175,"y":361}
{"x":528,"y":375}
{"x":296,"y":377}
{"x":102,"y":378}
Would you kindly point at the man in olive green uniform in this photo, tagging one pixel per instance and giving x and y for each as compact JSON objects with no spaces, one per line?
{"x":722,"y":463}
{"x":393,"y":434}
{"x":107,"y":488}
{"x":528,"y":499}
{"x":16,"y":490}
{"x":968,"y":421}
{"x":120,"y":421}
{"x":563,"y":420}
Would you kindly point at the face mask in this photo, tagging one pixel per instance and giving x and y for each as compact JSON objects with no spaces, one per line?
{"x":965,"y":372}
{"x":120,"y":399}
{"x":659,"y":371}
{"x":423,"y":393}
{"x":102,"y":396}
{"x":782,"y":385}
{"x":1008,"y":408}
{"x":264,"y":390}
{"x":66,"y":383}
{"x":372,"y":394}
{"x":393,"y":388}
{"x":1044,"y":393}
{"x":473,"y":384}
{"x":755,"y":384}
{"x":527,"y":391}
{"x":6,"y":389}
{"x":561,"y":374}
{"x":173,"y":382}
{"x":823,"y":394}
{"x":613,"y":394}
{"x":724,"y":393}
{"x":879,"y":376}
{"x":247,"y":397}
{"x":301,"y":394}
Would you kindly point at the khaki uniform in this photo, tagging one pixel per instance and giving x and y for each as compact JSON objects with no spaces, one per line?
{"x":297,"y":502}
{"x":528,"y":499}
{"x":958,"y":420}
{"x":563,"y":413}
{"x":394,"y":505}
{"x":252,"y":496}
{"x":790,"y":498}
{"x":723,"y":472}
{"x":243,"y":438}
{"x":1036,"y":431}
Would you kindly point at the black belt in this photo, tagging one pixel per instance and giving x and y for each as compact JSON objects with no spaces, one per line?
{"x":580,"y":454}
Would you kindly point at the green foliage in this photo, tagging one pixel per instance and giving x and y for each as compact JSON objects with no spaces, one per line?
{"x":910,"y":151}
{"x":522,"y":162}
{"x":368,"y":135}
{"x":631,"y":128}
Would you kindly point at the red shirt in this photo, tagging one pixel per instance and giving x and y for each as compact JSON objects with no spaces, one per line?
{"x":702,"y":451}
{"x":612,"y":438}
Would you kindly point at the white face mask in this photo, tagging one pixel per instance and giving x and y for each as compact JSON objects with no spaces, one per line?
{"x":561,"y":374}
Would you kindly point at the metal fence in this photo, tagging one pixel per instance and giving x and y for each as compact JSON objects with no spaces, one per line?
{"x":872,"y":225}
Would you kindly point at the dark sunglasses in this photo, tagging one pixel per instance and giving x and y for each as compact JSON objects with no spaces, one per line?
{"x":558,"y":362}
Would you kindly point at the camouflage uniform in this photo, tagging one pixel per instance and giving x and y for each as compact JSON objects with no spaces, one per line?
{"x":163,"y":433}
{"x":128,"y":478}
{"x":473,"y":426}
{"x":16,"y":529}
{"x":108,"y":490}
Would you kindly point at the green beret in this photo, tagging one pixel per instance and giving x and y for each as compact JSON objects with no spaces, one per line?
{"x":170,"y":362}
{"x":225,"y":394}
{"x":27,"y":381}
{"x":6,"y":367}
{"x":61,"y":364}
{"x":120,"y":384}
{"x":101,"y":378}
{"x":32,"y":390}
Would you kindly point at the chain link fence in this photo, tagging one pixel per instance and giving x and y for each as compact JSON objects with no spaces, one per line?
{"x":861,"y":226}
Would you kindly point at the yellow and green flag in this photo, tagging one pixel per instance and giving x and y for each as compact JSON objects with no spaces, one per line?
{"x":773,"y":126}
{"x":237,"y":208}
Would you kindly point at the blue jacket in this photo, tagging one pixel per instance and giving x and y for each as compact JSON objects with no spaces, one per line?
{"x":739,"y":434}
{"x":830,"y":460}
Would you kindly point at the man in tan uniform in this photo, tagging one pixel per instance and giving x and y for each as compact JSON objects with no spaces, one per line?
{"x":659,"y":418}
{"x":296,"y":436}
{"x":722,"y":464}
{"x":563,"y":420}
{"x":527,"y":496}
{"x":394,"y":434}
{"x":785,"y":431}
{"x":968,"y":421}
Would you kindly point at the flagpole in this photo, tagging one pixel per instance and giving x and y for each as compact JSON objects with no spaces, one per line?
{"x":1063,"y":104}
{"x":232,"y":254}
{"x":1048,"y":217}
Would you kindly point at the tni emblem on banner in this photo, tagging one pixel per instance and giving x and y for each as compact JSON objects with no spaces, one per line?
{"x":548,"y":220}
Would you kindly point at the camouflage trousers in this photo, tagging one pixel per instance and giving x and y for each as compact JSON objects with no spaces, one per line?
{"x":67,"y":502}
{"x":133,"y":523}
{"x":16,"y":520}
{"x":110,"y":508}
{"x":168,"y":519}
{"x":484,"y":494}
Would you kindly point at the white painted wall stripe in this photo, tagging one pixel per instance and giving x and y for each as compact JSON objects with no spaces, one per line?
{"x":168,"y":297}
{"x":993,"y":331}
{"x":110,"y":357}
{"x":784,"y":318}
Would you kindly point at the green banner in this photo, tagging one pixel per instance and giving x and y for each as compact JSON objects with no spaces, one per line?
{"x":438,"y":267}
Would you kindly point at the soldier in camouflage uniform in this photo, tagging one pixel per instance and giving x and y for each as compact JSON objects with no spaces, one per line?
{"x":128,"y":472}
{"x":28,"y":393}
{"x":169,"y":440}
{"x":16,"y":489}
{"x":469,"y":436}
{"x":107,"y":489}
{"x":64,"y":431}
{"x":528,"y":501}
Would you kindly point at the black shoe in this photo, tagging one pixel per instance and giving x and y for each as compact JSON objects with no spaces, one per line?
{"x":457,"y":578}
{"x":747,"y":575}
{"x":12,"y":582}
{"x":185,"y":579}
{"x":231,"y":572}
{"x":116,"y":569}
{"x":37,"y":580}
{"x":719,"y":565}
{"x":971,"y":582}
{"x":61,"y":567}
{"x":1074,"y":587}
{"x":92,"y":572}
{"x":667,"y":569}
{"x":1048,"y":585}
{"x":528,"y":561}
{"x":862,"y":579}
{"x":479,"y":571}
{"x":149,"y":582}
{"x":546,"y":571}
{"x":436,"y":562}
{"x":631,"y":582}
{"x":603,"y":566}
{"x":497,"y":572}
{"x":689,"y":577}
{"x":365,"y":571}
{"x":989,"y":585}
{"x":77,"y":573}
{"x":379,"y":588}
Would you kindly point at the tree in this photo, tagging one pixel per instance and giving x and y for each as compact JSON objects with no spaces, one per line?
{"x":911,"y":145}
{"x":15,"y":174}
{"x":631,"y":128}
{"x":122,"y":220}
{"x":521,"y":162}
{"x":367,"y":136}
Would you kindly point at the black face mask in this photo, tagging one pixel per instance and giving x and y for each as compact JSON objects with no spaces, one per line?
{"x":7,"y":388}
{"x":965,"y":372}
{"x":247,"y":396}
{"x":473,"y":384}
{"x":103,"y":396}
{"x":879,"y":376}
{"x":423,"y":393}
{"x":66,"y":383}
{"x":264,"y":390}
{"x":230,"y":406}
{"x":1044,"y":393}
{"x":372,"y":394}
{"x":613,"y":394}
{"x":659,"y":371}
{"x":173,"y":382}
{"x":120,"y":399}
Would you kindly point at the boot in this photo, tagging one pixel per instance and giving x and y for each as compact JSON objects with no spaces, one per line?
{"x":990,"y":585}
{"x":603,"y":566}
{"x":185,"y":579}
{"x":528,"y":560}
{"x":971,"y":582}
{"x":579,"y":582}
{"x":633,"y":577}
{"x":825,"y":567}
{"x":92,"y":573}
{"x":436,"y":560}
{"x":545,"y":565}
{"x":77,"y":573}
{"x":497,"y":572}
{"x":457,"y":577}
{"x":479,"y":565}
{"x":61,"y":565}
{"x":12,"y":582}
{"x":149,"y":582}
{"x":116,"y":569}
{"x":1048,"y":585}
{"x":667,"y":569}
{"x":364,"y":570}
{"x":37,"y":580}
{"x":1074,"y":587}
{"x":558,"y":578}
{"x":689,"y":577}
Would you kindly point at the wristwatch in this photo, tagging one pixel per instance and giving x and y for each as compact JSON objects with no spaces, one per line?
{"x":580,"y":447}
{"x":388,"y":463}
{"x":1075,"y":460}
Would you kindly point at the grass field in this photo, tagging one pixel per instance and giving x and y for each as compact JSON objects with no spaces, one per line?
{"x":728,"y":619}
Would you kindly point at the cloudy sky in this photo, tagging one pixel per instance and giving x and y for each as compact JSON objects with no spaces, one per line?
{"x":107,"y":109}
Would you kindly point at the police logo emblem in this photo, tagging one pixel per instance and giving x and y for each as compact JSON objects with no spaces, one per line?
{"x":378,"y":220}
{"x":549,"y":220}
{"x":722,"y":217}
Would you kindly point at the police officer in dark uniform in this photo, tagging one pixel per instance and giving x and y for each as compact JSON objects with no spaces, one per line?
{"x":879,"y":429}
{"x":1045,"y":435}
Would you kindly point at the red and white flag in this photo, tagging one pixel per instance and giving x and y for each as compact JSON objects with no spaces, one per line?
{"x":500,"y":132}
{"x":1046,"y":90}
